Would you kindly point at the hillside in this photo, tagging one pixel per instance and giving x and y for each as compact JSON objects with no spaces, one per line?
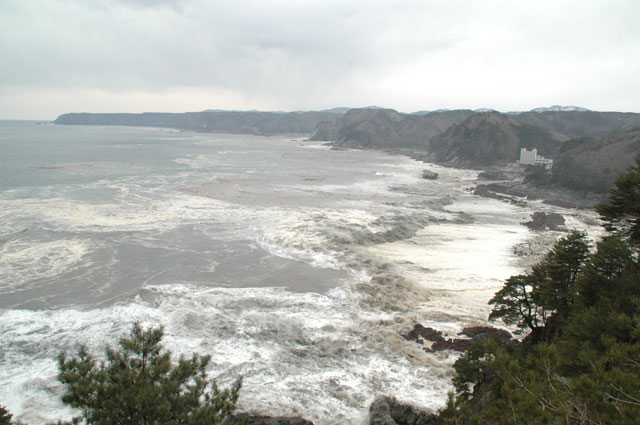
{"x":387,"y":129}
{"x":592,"y":164}
{"x":579,"y":123}
{"x":491,"y":138}
{"x":242,"y":122}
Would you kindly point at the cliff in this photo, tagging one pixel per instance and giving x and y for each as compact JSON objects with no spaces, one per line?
{"x":387,"y":129}
{"x":592,"y":164}
{"x":245,"y":122}
{"x":491,"y":138}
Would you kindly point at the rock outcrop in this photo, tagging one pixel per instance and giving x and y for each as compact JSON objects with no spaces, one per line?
{"x":389,"y":411}
{"x":325,"y":131}
{"x":422,"y":334}
{"x":546,"y":221}
{"x":429,"y":175}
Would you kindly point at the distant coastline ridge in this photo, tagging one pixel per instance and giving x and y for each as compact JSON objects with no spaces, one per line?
{"x":588,"y":148}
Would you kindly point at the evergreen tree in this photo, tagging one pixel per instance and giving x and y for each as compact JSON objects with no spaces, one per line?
{"x":5,"y":416}
{"x":139,"y":385}
{"x":585,"y":367}
{"x":530,"y":301}
{"x":557,"y":291}
{"x":516,"y":305}
{"x":622,"y":214}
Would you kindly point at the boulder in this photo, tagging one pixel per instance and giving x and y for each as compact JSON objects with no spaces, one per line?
{"x":387,"y":410}
{"x":418,"y":332}
{"x":546,"y":221}
{"x":429,"y":175}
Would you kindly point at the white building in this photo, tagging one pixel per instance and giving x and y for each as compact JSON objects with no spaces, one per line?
{"x":532,"y":158}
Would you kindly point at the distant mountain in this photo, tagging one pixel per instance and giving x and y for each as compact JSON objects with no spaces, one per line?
{"x":247,"y":122}
{"x":593,"y":164}
{"x":387,"y":128}
{"x":574,"y":124}
{"x":339,"y":110}
{"x":429,"y":112}
{"x":559,"y":108}
{"x":491,"y":138}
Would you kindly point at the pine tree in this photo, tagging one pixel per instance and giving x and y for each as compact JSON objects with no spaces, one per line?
{"x":139,"y":385}
{"x":561,"y":266}
{"x":531,"y":301}
{"x":516,"y":305}
{"x":622,"y":214}
{"x":5,"y":416}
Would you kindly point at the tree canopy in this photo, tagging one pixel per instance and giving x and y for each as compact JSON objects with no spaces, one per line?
{"x":138,"y":384}
{"x":5,"y":416}
{"x":531,"y":300}
{"x":622,"y":214}
{"x":579,"y":361}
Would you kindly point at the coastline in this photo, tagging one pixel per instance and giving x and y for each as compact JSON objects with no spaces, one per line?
{"x":397,"y":295}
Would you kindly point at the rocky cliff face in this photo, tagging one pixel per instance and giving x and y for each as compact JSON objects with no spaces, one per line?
{"x":387,"y":129}
{"x":593,"y":164}
{"x":491,"y":138}
{"x":216,"y":121}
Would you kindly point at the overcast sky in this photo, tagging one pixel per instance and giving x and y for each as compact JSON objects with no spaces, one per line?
{"x":60,"y":56}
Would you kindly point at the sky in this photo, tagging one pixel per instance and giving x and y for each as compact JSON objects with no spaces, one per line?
{"x":59,"y":56}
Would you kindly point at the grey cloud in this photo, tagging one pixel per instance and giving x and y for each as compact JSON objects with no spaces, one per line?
{"x":402,"y":53}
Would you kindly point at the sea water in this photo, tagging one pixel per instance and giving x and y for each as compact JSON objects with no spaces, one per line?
{"x":295,"y":266}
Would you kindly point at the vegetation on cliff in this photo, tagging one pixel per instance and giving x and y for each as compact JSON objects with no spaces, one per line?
{"x":579,"y":310}
{"x":491,"y":138}
{"x":592,"y":164}
{"x":387,"y":129}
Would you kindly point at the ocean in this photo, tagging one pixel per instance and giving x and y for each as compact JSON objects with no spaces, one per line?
{"x":293,"y":265}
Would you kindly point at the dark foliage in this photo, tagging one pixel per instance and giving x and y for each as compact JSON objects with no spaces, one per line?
{"x":5,"y":416}
{"x":580,"y":359}
{"x":622,"y":214}
{"x":139,"y":384}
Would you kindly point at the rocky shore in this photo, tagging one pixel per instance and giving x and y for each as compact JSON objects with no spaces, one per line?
{"x":519,"y":191}
{"x":434,"y":341}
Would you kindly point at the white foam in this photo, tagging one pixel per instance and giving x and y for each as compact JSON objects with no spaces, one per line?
{"x":460,"y":266}
{"x":316,"y":355}
{"x":22,"y":262}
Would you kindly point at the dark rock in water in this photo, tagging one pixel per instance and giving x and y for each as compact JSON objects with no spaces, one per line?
{"x":388,"y":411}
{"x":546,"y":221}
{"x":489,"y":191}
{"x":429,"y":175}
{"x":552,"y":195}
{"x":492,"y":174}
{"x":420,"y":331}
{"x":245,"y":418}
{"x":456,"y":344}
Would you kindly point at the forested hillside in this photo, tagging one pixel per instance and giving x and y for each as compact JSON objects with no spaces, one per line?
{"x":578,"y":311}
